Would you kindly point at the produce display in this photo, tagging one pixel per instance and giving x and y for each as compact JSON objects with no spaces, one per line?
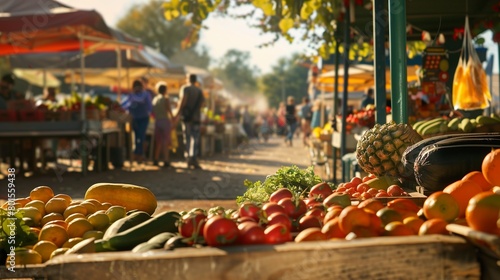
{"x":442,"y":125}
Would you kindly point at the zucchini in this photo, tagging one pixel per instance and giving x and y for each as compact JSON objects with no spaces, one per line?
{"x":155,"y":242}
{"x":163,"y":222}
{"x":449,"y":160}
{"x":125,"y":223}
{"x":411,"y":153}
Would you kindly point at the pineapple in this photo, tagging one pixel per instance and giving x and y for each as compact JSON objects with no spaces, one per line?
{"x":380,"y":149}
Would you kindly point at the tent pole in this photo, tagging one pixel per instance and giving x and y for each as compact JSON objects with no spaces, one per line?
{"x":397,"y":46}
{"x":347,"y":28}
{"x":498,"y":56}
{"x":336,"y":103}
{"x":379,"y":61}
{"x":119,"y":65}
{"x":82,"y":78}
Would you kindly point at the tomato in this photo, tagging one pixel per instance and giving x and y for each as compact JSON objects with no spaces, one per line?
{"x":320,"y":191}
{"x":220,"y":231}
{"x":365,"y":196}
{"x":317,"y":212}
{"x":382,"y":194}
{"x":191,"y":224}
{"x":309,"y":222}
{"x":241,"y":220}
{"x":280,"y":218}
{"x":395,"y":190}
{"x":363,"y":187}
{"x":249,"y":209}
{"x":293,"y":209}
{"x":251,"y":233}
{"x":272,"y":207}
{"x":277,"y":234}
{"x":372,"y":191}
{"x":280,"y":194}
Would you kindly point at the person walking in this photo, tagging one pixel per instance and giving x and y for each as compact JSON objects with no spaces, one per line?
{"x":189,"y":110}
{"x":368,"y":98}
{"x":139,"y":106}
{"x":164,"y":123}
{"x":305,"y":121}
{"x":291,"y":119}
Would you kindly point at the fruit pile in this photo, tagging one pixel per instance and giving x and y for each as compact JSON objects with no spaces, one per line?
{"x":458,"y":124}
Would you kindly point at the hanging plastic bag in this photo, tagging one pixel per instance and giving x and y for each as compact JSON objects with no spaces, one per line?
{"x":470,"y":86}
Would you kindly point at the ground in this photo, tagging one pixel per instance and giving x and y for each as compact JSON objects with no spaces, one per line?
{"x":177,"y":187}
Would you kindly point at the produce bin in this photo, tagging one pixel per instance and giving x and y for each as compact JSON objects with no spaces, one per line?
{"x":408,"y":257}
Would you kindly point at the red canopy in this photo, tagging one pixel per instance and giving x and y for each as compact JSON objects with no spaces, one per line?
{"x":31,"y":26}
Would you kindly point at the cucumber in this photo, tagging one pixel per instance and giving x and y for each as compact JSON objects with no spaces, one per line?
{"x":431,"y":122}
{"x":155,"y":242}
{"x":447,"y":161}
{"x":176,"y":242}
{"x":484,"y":120}
{"x":453,"y":124}
{"x":416,"y":125}
{"x":125,"y":223}
{"x":144,"y":247}
{"x":163,"y":222}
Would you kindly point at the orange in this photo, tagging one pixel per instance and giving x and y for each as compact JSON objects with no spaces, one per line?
{"x":371,"y":204}
{"x":55,"y":234}
{"x":352,"y":216}
{"x":414,"y":223}
{"x":462,"y":191}
{"x":433,"y":226}
{"x":72,"y":209}
{"x":40,"y":205}
{"x":22,"y":201}
{"x":78,"y":227}
{"x":491,"y":167}
{"x":57,"y":222}
{"x":397,"y":229}
{"x":332,"y":229}
{"x":404,"y":205}
{"x":56,"y":205}
{"x":478,"y":178}
{"x":388,"y":215}
{"x":483,"y":212}
{"x":45,"y":248}
{"x":332,"y":212}
{"x":51,"y":217}
{"x":65,"y":196}
{"x":441,"y":205}
{"x":42,"y":193}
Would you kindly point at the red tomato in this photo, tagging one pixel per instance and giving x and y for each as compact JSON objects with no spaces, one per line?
{"x":241,"y":220}
{"x":310,"y":234}
{"x":191,"y":224}
{"x":279,"y":218}
{"x":363,"y":187}
{"x":309,"y":222}
{"x":382,"y":194}
{"x":277,"y":234}
{"x":280,"y":194}
{"x":372,"y":191}
{"x":293,"y":209}
{"x":249,"y":209}
{"x":395,"y":190}
{"x":320,"y":191}
{"x":220,"y":231}
{"x":317,"y":212}
{"x":247,"y":224}
{"x":272,"y":207}
{"x":356,"y":181}
{"x":365,"y":195}
{"x":251,"y":233}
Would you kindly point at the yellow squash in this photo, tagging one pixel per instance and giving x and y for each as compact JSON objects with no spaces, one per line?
{"x":129,"y":196}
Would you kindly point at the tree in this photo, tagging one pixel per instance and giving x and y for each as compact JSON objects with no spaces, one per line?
{"x":235,"y":71}
{"x":287,"y":77}
{"x":148,"y":23}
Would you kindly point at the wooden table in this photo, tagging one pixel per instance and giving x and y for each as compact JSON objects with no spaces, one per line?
{"x":85,"y":131}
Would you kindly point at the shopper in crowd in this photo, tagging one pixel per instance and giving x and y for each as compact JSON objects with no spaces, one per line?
{"x":164,"y":123}
{"x":368,"y":98}
{"x":305,"y":119}
{"x":145,"y":84}
{"x":280,"y":119}
{"x":317,"y":119}
{"x":246,"y":122}
{"x":189,"y":111}
{"x":291,"y":120}
{"x":7,"y":92}
{"x":139,"y":105}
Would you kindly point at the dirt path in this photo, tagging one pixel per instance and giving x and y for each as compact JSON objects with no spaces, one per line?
{"x":220,"y":181}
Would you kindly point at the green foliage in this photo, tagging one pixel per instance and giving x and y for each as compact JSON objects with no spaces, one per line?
{"x":21,"y":232}
{"x":236,"y":73}
{"x":299,"y":181}
{"x":287,"y":76}
{"x":147,"y":22}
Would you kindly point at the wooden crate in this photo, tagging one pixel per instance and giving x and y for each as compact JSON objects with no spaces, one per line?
{"x":408,"y":257}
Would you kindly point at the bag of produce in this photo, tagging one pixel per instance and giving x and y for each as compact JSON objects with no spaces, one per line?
{"x":470,"y":86}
